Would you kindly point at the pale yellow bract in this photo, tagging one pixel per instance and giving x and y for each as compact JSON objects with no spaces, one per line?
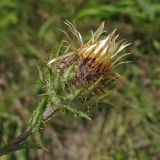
{"x":101,"y":50}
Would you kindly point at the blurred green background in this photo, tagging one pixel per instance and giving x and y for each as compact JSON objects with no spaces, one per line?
{"x":128,"y":128}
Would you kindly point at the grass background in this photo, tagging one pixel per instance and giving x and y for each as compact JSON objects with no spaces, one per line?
{"x":128,"y":128}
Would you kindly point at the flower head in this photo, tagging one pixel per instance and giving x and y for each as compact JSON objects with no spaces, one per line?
{"x":96,"y":57}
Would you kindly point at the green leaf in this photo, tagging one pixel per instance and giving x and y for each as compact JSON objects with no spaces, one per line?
{"x":94,"y":86}
{"x":76,"y":112}
{"x":36,"y":119}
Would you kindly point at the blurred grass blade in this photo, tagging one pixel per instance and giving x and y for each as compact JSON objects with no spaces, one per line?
{"x":147,"y":8}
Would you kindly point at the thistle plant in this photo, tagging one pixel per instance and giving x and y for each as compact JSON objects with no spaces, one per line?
{"x":76,"y":80}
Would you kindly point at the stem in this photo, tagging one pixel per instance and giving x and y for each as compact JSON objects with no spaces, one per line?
{"x":47,"y":114}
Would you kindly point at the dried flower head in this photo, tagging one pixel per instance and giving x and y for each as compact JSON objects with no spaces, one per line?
{"x":95,"y":58}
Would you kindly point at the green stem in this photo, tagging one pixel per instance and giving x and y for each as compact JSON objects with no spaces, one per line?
{"x":12,"y":146}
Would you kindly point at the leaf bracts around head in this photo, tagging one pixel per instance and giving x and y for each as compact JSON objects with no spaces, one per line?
{"x":79,"y":79}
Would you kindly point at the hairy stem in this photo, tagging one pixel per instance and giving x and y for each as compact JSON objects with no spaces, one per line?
{"x":46,"y":115}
